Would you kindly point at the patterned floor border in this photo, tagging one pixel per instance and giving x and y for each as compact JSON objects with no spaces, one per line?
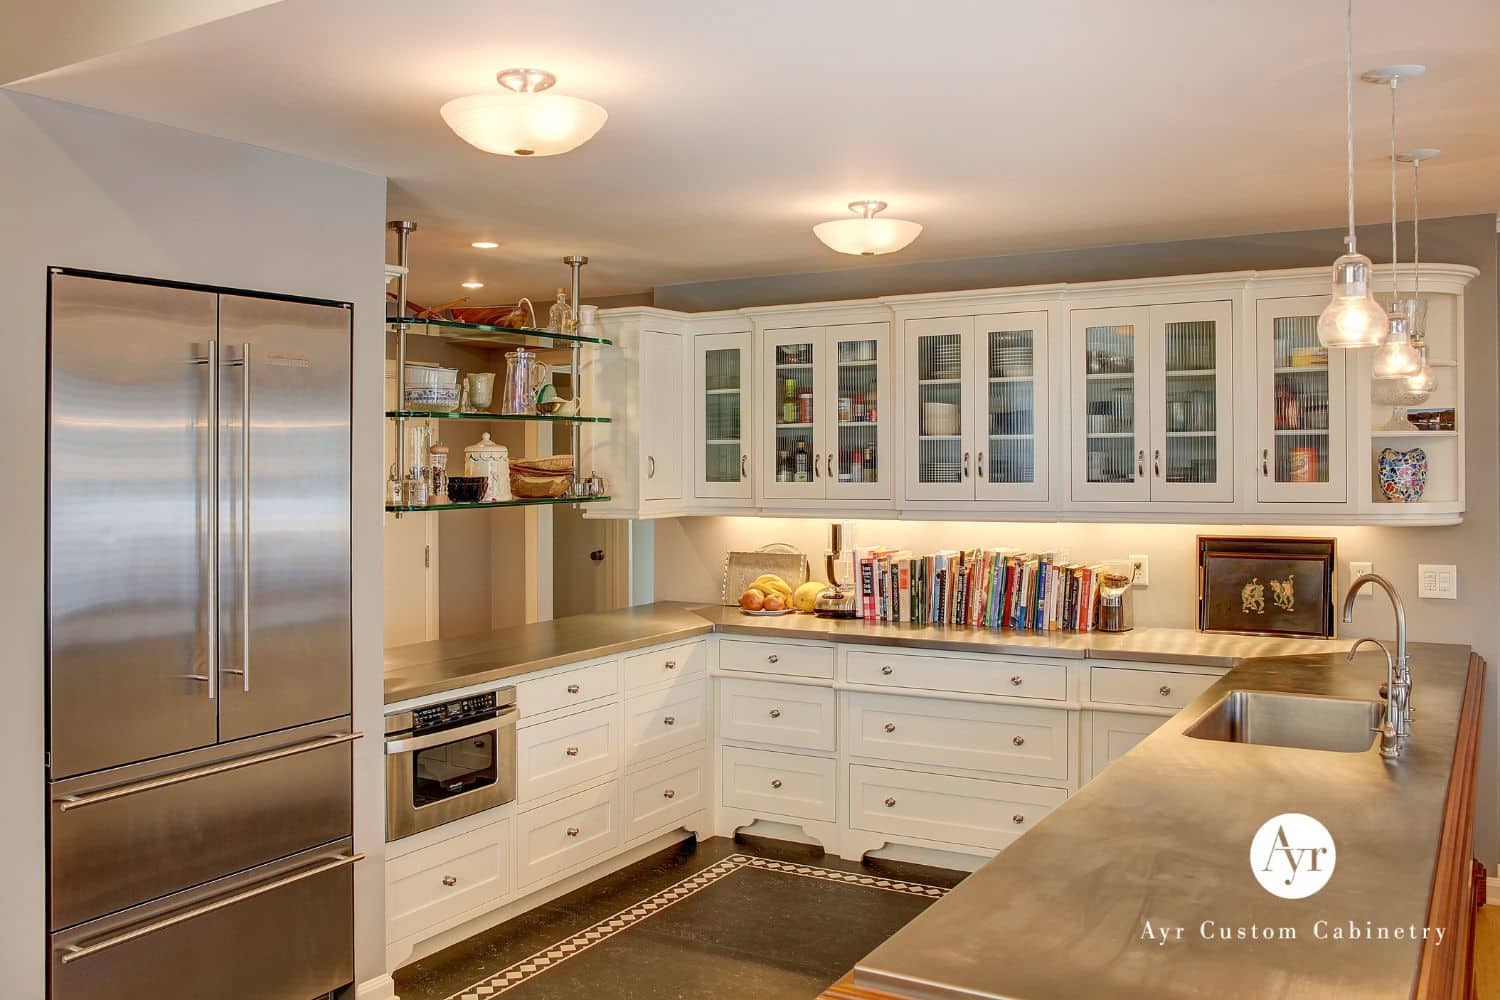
{"x":539,"y":962}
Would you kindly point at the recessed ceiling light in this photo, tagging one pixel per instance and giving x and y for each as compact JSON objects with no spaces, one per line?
{"x":484,"y":244}
{"x":473,"y":284}
{"x":524,"y":121}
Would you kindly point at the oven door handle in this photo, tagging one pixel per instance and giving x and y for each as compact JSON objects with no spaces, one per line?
{"x":503,"y":720}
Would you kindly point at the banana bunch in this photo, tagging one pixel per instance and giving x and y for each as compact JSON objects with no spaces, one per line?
{"x":770,"y":583}
{"x":768,"y":592}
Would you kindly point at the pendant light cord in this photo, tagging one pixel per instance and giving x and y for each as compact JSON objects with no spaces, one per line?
{"x":1416,"y":226}
{"x":1349,"y":115}
{"x":1395,"y":257}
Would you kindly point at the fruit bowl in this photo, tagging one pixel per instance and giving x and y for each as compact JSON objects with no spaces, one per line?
{"x":467,"y":489}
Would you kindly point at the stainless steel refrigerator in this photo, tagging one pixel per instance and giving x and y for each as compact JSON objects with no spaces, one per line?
{"x":199,"y":759}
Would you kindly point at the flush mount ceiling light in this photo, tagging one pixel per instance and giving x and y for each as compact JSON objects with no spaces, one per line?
{"x":1398,"y":356}
{"x":524,"y":121}
{"x":1352,"y":317}
{"x":867,"y":235}
{"x":484,"y":244}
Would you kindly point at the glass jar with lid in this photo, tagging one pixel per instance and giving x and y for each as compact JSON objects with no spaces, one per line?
{"x":486,"y":458}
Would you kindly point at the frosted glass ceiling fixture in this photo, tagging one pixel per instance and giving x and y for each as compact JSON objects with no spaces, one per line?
{"x":523,"y":121}
{"x":1352,"y":318}
{"x":867,"y":235}
{"x":1396,"y":358}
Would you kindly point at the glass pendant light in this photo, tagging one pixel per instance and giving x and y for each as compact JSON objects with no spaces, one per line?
{"x":1396,"y":358}
{"x":1352,"y":318}
{"x":1425,"y":380}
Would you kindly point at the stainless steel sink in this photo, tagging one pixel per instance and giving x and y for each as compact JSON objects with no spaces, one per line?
{"x":1291,"y":720}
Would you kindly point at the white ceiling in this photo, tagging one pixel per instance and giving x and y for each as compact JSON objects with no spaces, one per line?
{"x":734,"y":127}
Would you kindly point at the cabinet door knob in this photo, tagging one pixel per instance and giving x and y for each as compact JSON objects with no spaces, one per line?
{"x":890,"y":803}
{"x":671,"y":664}
{"x":669,"y":794}
{"x":573,"y":689}
{"x":887,"y":670}
{"x":572,"y":751}
{"x":775,"y":713}
{"x":1164,"y":690}
{"x":890,"y":727}
{"x":650,"y":466}
{"x":1018,"y":819}
{"x":670,"y":720}
{"x":573,"y":831}
{"x":450,"y":880}
{"x":1019,"y":741}
{"x":773,"y":658}
{"x":775,"y":782}
{"x":1015,"y":681}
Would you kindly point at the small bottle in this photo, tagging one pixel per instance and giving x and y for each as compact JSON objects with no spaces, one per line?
{"x":871,"y":472}
{"x":416,"y":489}
{"x":438,"y":491}
{"x":783,"y":466}
{"x":789,"y":403}
{"x":804,"y":464}
{"x":393,"y":487}
{"x":559,"y":314}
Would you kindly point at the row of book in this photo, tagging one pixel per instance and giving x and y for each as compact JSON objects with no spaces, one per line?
{"x":979,"y":588}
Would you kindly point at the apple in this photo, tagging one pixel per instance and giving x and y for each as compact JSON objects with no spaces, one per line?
{"x":774,"y":602}
{"x":752,"y":600}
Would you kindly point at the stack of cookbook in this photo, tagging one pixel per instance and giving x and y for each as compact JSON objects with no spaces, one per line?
{"x":978,"y":588}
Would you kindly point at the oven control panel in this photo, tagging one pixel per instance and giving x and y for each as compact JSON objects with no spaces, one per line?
{"x":453,"y":712}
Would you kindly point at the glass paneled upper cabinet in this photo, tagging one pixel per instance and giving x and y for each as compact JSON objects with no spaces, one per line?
{"x":722,"y":377}
{"x":826,"y":392}
{"x":1300,"y":411}
{"x":1152,"y":391}
{"x":976,"y":407}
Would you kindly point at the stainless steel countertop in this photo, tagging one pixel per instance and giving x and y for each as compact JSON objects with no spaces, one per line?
{"x":1164,"y":836}
{"x":426,"y":668}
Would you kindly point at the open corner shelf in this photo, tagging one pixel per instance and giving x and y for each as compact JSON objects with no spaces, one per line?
{"x":544,"y":502}
{"x":492,"y":336}
{"x":548,"y":418}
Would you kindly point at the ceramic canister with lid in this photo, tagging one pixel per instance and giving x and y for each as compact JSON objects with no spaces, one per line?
{"x":486,"y":458}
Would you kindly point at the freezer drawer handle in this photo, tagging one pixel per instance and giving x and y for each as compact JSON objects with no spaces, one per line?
{"x":69,"y":802}
{"x":74,"y":952}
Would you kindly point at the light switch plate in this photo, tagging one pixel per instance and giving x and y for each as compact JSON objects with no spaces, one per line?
{"x":1358,"y":569}
{"x":1437,"y":581}
{"x":1142,"y":566}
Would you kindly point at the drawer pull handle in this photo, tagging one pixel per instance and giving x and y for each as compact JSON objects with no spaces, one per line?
{"x":1018,"y":819}
{"x":1015,"y":681}
{"x":775,"y":782}
{"x":1019,"y":741}
{"x":888,"y":670}
{"x":775,"y":713}
{"x":573,"y":831}
{"x":669,"y":794}
{"x":773,"y":658}
{"x":670,"y":720}
{"x":890,"y":803}
{"x":890,"y":727}
{"x":1164,"y":690}
{"x":671,"y":664}
{"x":572,"y":751}
{"x":573,"y":689}
{"x":450,"y":880}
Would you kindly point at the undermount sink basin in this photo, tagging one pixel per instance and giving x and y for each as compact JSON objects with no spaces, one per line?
{"x":1265,"y":718}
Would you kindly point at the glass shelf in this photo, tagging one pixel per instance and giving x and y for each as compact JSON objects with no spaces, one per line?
{"x":544,"y":417}
{"x":497,"y":336}
{"x":552,"y":501}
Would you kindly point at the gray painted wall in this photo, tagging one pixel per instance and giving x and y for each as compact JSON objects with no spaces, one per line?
{"x":688,"y":551}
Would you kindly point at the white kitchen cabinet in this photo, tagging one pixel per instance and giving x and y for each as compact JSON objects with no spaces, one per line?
{"x":1113,"y":734}
{"x":1152,"y":403}
{"x":722,"y":384}
{"x":826,"y":417}
{"x":661,"y":424}
{"x":1301,"y":406}
{"x":977,"y":407}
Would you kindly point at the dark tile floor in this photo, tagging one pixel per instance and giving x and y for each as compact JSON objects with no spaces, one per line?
{"x":755,"y":934}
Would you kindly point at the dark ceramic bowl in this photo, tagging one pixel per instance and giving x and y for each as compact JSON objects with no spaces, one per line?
{"x":466,"y":489}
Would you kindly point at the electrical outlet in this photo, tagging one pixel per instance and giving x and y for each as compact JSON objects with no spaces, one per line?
{"x":1437,"y":581}
{"x":1358,"y":569}
{"x":1142,"y":566}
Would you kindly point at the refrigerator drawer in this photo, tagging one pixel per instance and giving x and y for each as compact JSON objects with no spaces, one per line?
{"x":132,"y":834}
{"x":284,"y":931}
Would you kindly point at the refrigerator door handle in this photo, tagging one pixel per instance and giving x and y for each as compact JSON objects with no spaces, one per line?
{"x":67,"y":803}
{"x":74,"y":952}
{"x":243,"y":671}
{"x":211,"y":642}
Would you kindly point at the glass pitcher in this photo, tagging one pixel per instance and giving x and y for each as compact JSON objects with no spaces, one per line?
{"x":525,"y":374}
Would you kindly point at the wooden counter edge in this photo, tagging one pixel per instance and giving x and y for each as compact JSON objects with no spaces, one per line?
{"x":1445,"y":972}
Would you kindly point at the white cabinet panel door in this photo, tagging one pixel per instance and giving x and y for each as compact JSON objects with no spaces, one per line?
{"x":722,"y":386}
{"x":791,"y":393}
{"x":856,"y":423}
{"x":1111,"y":416}
{"x":1301,"y":409}
{"x":661,"y":374}
{"x":1192,"y":402}
{"x":1011,"y":429}
{"x":939,"y":398}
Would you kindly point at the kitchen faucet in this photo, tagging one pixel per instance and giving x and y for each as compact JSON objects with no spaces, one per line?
{"x":1398,"y":675}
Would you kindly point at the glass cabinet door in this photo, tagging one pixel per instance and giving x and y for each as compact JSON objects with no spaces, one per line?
{"x":1011,"y":458}
{"x":722,"y":378}
{"x":1110,"y":361}
{"x":1301,"y":409}
{"x":858,"y":364}
{"x":792,"y":467}
{"x":939,"y":449}
{"x":1192,"y":406}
